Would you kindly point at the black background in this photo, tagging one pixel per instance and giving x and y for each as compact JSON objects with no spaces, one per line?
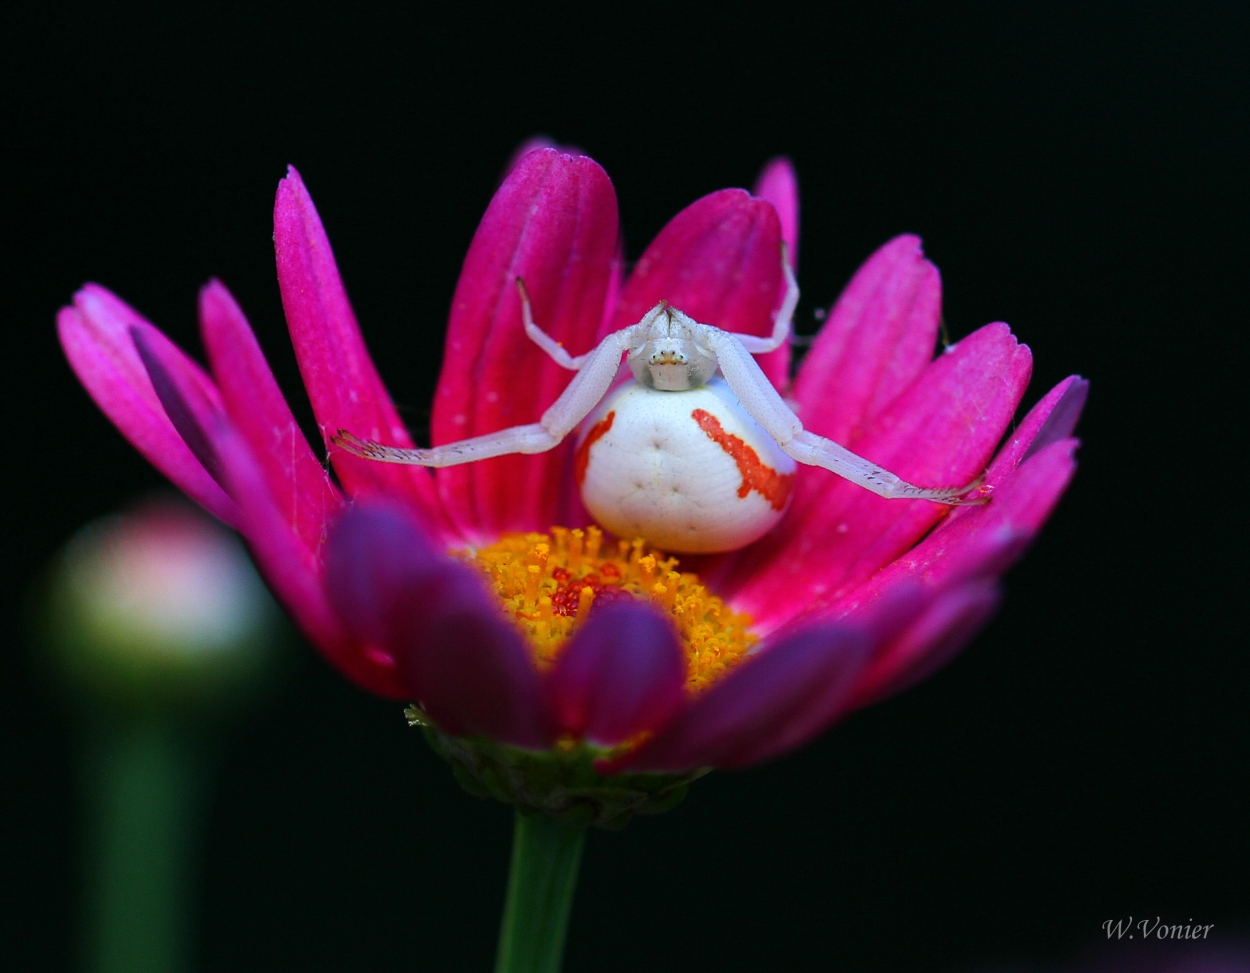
{"x":1076,"y":172}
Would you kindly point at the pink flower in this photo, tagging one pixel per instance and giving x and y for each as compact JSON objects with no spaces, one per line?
{"x":853,"y":597}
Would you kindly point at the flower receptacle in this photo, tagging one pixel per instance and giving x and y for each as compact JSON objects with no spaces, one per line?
{"x":561,"y":782}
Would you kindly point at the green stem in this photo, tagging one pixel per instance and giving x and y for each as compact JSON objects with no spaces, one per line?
{"x":142,"y":786}
{"x":545,"y":859}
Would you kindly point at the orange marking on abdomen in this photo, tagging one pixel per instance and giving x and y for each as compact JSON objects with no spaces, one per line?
{"x":581,"y":459}
{"x":772,"y":486}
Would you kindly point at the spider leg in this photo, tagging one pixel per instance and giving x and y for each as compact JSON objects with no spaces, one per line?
{"x":577,"y":400}
{"x":807,"y":447}
{"x":764,"y":403}
{"x":785,"y":315}
{"x":544,"y":341}
{"x":589,"y":385}
{"x":519,"y":439}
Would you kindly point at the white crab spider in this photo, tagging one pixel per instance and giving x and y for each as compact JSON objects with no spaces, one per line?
{"x":692,"y":461}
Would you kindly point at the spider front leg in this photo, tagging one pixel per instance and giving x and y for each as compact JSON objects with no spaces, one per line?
{"x":783,"y":323}
{"x":579,"y":397}
{"x":544,"y":341}
{"x":519,"y":439}
{"x":807,"y":447}
{"x":764,"y":403}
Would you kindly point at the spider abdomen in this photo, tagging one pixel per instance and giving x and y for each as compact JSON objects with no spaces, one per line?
{"x":689,"y":471}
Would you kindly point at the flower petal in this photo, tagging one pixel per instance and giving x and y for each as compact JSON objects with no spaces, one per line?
{"x":95,"y":334}
{"x":533,"y":144}
{"x":1052,"y":419}
{"x":985,"y":541}
{"x":878,"y":339}
{"x":931,"y":641}
{"x":1022,"y":499}
{"x":193,"y":414}
{"x":290,"y":567}
{"x":941,"y":431}
{"x":256,"y":407}
{"x":343,"y":385}
{"x":299,"y":580}
{"x":764,"y":706}
{"x":719,"y":261}
{"x":622,"y":673}
{"x":969,"y":552}
{"x":455,"y":652}
{"x":552,"y":223}
{"x":780,"y":186}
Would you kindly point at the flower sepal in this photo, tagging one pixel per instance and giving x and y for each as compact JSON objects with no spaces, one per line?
{"x":561,"y":782}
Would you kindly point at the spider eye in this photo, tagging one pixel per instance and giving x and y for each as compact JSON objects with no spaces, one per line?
{"x":668,"y":356}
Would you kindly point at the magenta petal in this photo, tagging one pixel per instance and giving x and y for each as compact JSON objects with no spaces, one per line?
{"x":1021,"y":502}
{"x":95,"y":335}
{"x":941,"y":431}
{"x":456,"y":653}
{"x":878,"y":339}
{"x":298,"y":483}
{"x":990,"y":539}
{"x":765,"y":706}
{"x":719,"y":261}
{"x":622,"y":673}
{"x":552,"y":223}
{"x":981,"y":540}
{"x":779,"y":185}
{"x":533,"y":144}
{"x":342,"y":383}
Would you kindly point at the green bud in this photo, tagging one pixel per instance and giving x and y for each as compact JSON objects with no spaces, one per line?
{"x":159,"y":609}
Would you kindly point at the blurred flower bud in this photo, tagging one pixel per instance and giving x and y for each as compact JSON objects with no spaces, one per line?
{"x":159,"y":608}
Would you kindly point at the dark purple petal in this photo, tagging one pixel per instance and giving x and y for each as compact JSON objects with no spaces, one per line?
{"x":622,"y":673}
{"x":769,"y":704}
{"x":455,"y":651}
{"x":1063,"y":416}
{"x":468,"y":667}
{"x":190,"y":411}
{"x":290,"y":567}
{"x":96,"y":336}
{"x":295,"y":575}
{"x":929,"y":643}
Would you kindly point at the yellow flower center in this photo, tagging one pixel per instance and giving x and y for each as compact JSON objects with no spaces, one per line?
{"x":549,"y":583}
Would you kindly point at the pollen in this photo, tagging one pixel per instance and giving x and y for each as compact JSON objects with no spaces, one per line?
{"x":548,"y":584}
